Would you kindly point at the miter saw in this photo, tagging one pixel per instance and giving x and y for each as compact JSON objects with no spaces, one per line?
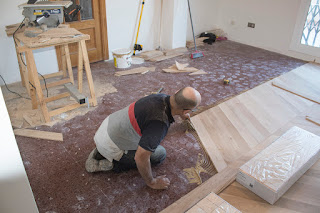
{"x":44,"y":14}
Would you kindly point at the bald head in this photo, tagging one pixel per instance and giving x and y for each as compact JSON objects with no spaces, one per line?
{"x":187,"y":98}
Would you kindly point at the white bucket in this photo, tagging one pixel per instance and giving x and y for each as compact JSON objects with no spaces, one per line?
{"x":122,"y":58}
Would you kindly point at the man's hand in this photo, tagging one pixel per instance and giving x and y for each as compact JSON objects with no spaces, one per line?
{"x":142,"y":159}
{"x":185,"y":116}
{"x":160,"y":182}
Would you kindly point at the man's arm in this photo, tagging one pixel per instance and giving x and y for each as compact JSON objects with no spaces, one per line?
{"x":142,"y":159}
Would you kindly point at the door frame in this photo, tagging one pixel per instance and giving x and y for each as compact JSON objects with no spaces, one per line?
{"x":104,"y":31}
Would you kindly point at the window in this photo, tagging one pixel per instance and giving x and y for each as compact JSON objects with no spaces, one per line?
{"x":310,"y":34}
{"x":306,"y":36}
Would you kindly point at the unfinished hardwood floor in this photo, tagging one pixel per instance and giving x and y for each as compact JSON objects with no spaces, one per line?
{"x":239,"y":124}
{"x":303,"y":81}
{"x":240,"y":128}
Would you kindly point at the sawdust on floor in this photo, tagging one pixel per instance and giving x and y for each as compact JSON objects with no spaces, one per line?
{"x":20,"y":108}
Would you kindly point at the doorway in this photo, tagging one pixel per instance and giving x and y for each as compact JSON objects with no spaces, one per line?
{"x":91,"y":20}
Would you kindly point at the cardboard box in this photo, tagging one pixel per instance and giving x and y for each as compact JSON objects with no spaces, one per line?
{"x":212,"y":203}
{"x":275,"y":169}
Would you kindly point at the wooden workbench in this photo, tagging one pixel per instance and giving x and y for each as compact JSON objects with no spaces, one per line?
{"x":28,"y":71}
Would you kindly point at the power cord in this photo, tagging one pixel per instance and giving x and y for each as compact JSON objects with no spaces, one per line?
{"x":12,"y":91}
{"x":45,"y":83}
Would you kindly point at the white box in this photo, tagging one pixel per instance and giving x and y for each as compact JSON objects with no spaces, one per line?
{"x":276,"y":168}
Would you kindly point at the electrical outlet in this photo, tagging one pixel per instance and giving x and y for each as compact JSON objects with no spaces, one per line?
{"x":252,"y":25}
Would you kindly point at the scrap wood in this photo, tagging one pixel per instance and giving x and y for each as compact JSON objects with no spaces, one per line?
{"x":16,"y":123}
{"x":165,"y":57}
{"x":199,"y":42}
{"x":135,"y":71}
{"x":150,"y":54}
{"x":180,"y":68}
{"x":200,"y":72}
{"x":180,"y":50}
{"x":176,"y":71}
{"x":33,"y":117}
{"x":170,"y":54}
{"x":39,"y":134}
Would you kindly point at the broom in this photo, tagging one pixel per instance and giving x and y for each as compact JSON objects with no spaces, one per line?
{"x":196,"y":54}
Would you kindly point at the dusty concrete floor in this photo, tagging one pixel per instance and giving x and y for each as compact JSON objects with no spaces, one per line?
{"x":56,"y":169}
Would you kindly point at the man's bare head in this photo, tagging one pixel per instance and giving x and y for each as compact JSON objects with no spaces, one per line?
{"x":187,"y":98}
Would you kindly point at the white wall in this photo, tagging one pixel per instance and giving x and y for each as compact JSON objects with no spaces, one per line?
{"x":122,"y":19}
{"x":275,"y":22}
{"x":46,"y":59}
{"x":15,"y":192}
{"x":204,"y":16}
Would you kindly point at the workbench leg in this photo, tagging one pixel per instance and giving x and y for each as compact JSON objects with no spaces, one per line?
{"x":32,"y":89}
{"x":66,"y":50}
{"x":22,"y":68}
{"x":33,"y":76}
{"x":80,"y":67}
{"x":63,"y":61}
{"x":88,"y":71}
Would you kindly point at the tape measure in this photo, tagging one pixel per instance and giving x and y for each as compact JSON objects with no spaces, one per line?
{"x":226,"y":81}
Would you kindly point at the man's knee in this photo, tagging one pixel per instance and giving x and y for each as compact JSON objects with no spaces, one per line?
{"x":158,"y":156}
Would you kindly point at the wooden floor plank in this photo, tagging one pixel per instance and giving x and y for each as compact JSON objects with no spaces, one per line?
{"x":303,"y":81}
{"x":248,"y":206}
{"x":254,"y":108}
{"x":239,"y":125}
{"x":207,"y":141}
{"x":257,"y":130}
{"x":39,"y":134}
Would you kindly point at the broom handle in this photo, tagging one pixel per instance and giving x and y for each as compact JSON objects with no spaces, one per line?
{"x":134,"y":51}
{"x":194,"y":39}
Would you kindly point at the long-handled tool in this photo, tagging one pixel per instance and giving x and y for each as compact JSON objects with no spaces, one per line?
{"x":138,"y":47}
{"x":196,"y":54}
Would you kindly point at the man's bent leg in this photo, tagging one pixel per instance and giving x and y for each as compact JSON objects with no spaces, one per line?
{"x":158,"y":156}
{"x":97,"y":163}
{"x":127,"y":161}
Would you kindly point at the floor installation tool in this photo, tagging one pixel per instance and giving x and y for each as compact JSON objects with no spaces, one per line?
{"x":138,"y":47}
{"x":196,"y":54}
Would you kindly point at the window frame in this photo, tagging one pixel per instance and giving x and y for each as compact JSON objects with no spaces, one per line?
{"x":298,"y":30}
